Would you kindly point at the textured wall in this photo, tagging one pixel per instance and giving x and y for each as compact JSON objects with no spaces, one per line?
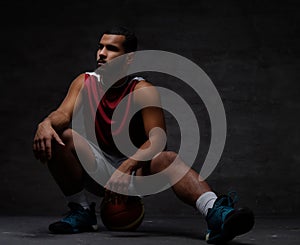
{"x":250,"y":50}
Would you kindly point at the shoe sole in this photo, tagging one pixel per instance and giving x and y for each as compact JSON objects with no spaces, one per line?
{"x":239,"y":222}
{"x":70,"y":230}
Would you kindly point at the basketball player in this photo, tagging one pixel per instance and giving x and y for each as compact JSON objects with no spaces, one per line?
{"x":54,"y":144}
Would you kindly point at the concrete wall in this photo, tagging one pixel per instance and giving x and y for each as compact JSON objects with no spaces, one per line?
{"x":250,"y":50}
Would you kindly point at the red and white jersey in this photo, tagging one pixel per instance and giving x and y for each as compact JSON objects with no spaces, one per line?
{"x":101,"y":105}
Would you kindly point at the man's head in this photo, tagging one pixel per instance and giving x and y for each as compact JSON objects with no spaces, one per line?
{"x":115,"y":42}
{"x":130,"y":43}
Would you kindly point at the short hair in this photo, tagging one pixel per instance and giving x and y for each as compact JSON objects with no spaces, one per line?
{"x":130,"y":43}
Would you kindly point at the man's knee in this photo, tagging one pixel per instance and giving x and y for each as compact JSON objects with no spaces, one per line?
{"x":170,"y":156}
{"x":165,"y":158}
{"x":66,"y":135}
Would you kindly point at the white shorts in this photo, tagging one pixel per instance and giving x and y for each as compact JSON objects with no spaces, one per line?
{"x":106,"y":166}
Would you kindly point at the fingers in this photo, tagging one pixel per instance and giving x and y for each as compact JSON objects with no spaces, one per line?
{"x":38,"y":150}
{"x":48,"y":150}
{"x":58,"y":139}
{"x":42,"y":152}
{"x":35,"y":148}
{"x":118,"y":184}
{"x":114,"y":198}
{"x":42,"y":147}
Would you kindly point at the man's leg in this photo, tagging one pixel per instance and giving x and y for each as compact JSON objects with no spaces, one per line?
{"x":189,"y":187}
{"x":70,"y":176}
{"x":224,"y":222}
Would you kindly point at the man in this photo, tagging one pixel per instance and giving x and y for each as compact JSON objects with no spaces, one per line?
{"x":54,"y":143}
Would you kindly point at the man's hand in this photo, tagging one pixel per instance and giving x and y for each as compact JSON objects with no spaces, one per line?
{"x":120,"y":179}
{"x":42,"y":141}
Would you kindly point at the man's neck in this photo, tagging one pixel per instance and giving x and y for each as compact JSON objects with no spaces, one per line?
{"x":120,"y":83}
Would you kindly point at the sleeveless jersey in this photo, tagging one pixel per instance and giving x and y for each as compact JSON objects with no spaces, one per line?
{"x":101,"y":105}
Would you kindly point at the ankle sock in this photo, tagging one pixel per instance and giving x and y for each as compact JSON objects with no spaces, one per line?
{"x":206,"y":201}
{"x":80,"y":198}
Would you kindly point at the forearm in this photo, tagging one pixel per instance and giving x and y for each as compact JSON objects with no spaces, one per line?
{"x":57,"y":120}
{"x":152,"y":147}
{"x":120,"y":179}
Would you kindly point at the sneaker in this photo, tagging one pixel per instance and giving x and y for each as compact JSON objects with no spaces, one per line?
{"x":77,"y":220}
{"x":224,"y":222}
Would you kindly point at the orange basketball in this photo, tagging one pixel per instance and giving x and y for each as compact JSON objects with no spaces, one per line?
{"x":123,"y":214}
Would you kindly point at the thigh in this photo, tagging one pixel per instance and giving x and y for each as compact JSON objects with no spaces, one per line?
{"x":157,"y":164}
{"x":96,"y":169}
{"x":83,"y":151}
{"x":91,"y":185}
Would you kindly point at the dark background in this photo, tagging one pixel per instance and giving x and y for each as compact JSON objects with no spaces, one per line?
{"x":250,"y":50}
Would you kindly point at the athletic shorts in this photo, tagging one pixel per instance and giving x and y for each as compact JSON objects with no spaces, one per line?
{"x":106,"y":164}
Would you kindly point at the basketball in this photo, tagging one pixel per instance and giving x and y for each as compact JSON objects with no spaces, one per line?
{"x":122,"y":214}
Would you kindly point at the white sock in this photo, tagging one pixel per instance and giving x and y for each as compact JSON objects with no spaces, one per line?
{"x":79,"y":198}
{"x":206,"y":201}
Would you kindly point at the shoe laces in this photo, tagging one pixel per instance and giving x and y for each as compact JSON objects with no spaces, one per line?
{"x":222,"y":207}
{"x":225,"y":201}
{"x":232,"y":198}
{"x":76,"y":212}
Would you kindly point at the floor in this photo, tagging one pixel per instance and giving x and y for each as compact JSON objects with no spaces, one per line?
{"x":154,"y":230}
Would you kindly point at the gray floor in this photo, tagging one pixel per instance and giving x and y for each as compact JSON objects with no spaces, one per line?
{"x":154,"y":230}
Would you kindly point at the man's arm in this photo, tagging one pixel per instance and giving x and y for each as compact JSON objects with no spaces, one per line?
{"x":154,"y":125}
{"x":148,"y":97}
{"x":56,"y":121}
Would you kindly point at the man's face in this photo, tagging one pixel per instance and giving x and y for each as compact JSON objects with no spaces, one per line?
{"x":110,"y":47}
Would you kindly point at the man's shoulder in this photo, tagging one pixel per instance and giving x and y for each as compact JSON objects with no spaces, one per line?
{"x":146,"y":92}
{"x":79,"y":80}
{"x":91,"y":74}
{"x":142,"y":83}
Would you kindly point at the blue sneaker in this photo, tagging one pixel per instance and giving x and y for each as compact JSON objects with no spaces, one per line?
{"x":77,"y":220}
{"x":224,"y":222}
